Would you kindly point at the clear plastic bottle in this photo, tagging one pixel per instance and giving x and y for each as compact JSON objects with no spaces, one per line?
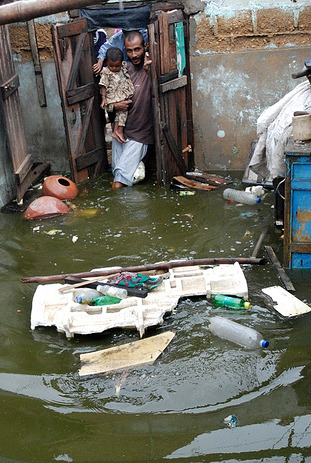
{"x":120,"y":293}
{"x":86,"y":295}
{"x":234,"y":332}
{"x":231,"y":302}
{"x":241,"y":196}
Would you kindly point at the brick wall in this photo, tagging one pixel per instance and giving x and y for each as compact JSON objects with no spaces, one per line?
{"x":253,"y":29}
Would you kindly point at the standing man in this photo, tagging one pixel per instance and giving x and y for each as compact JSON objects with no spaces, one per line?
{"x":139,"y":125}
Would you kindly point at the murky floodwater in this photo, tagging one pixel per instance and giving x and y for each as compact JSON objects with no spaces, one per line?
{"x":173,"y":409}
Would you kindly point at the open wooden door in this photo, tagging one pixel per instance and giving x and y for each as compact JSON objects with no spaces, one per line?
{"x":83,"y":118}
{"x":25,"y":170}
{"x":172,"y":103}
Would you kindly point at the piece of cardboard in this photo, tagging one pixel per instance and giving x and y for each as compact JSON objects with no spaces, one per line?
{"x":130,"y":355}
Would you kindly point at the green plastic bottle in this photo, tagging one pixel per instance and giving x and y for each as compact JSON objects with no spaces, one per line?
{"x":106,"y":300}
{"x":231,"y":302}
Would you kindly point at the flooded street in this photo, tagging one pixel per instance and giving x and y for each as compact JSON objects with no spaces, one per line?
{"x":173,"y":409}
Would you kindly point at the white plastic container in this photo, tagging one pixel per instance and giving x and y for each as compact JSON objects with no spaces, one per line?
{"x":113,"y":291}
{"x":241,"y":196}
{"x":86,"y":295}
{"x":257,"y":190}
{"x":234,"y":332}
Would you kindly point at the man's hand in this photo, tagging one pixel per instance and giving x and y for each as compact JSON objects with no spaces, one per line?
{"x":147,"y":62}
{"x":122,"y":105}
{"x":97,"y":67}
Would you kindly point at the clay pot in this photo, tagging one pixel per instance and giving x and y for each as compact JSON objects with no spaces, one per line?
{"x":60,"y":187}
{"x":45,"y":207}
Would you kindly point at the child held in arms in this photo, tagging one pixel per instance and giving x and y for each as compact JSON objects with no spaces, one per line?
{"x":116,"y":85}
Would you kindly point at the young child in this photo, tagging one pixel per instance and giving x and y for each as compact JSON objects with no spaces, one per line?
{"x":116,"y":85}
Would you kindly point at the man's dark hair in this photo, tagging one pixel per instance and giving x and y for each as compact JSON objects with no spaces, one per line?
{"x":131,"y":35}
{"x":114,"y":54}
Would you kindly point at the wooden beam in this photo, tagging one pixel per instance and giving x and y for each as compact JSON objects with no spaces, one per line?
{"x":36,"y":62}
{"x":279,"y":269}
{"x":174,"y":84}
{"x":146,"y":267}
{"x":25,"y":10}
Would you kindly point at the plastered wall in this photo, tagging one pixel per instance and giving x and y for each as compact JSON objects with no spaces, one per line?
{"x":242,"y":57}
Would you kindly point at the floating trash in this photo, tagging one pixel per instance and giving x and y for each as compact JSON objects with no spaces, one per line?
{"x":231,"y":421}
{"x":52,"y":232}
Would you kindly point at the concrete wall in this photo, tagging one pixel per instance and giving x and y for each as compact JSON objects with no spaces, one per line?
{"x":242,"y":57}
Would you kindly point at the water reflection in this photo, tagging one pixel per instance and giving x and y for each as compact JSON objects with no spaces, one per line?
{"x":175,"y":407}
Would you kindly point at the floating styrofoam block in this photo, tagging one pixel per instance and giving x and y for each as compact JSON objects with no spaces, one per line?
{"x":53,"y":308}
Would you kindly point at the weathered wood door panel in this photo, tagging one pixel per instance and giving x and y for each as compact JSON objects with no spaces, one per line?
{"x":26,"y":172}
{"x":172,"y":105}
{"x":83,"y":118}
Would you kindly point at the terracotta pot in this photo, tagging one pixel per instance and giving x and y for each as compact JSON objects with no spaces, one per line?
{"x":45,"y":207}
{"x":60,"y":187}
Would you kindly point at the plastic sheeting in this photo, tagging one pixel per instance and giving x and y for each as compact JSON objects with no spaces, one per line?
{"x":274,"y":127}
{"x":129,"y":17}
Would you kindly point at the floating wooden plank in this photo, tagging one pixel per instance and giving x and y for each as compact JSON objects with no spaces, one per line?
{"x":286,"y":303}
{"x":211,"y":179}
{"x":130,"y":355}
{"x":166,"y":265}
{"x":279,"y":269}
{"x":193,"y":184}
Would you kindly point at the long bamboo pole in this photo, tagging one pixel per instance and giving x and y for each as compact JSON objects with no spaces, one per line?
{"x":148,"y":267}
{"x":30,"y":9}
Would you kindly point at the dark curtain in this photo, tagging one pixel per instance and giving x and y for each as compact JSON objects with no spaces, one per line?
{"x":130,"y":17}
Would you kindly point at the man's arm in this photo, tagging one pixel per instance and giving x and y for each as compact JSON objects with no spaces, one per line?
{"x":122,"y":105}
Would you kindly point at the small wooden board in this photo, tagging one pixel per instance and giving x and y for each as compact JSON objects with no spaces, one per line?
{"x":130,"y":355}
{"x":286,"y":303}
{"x":192,"y":183}
{"x":211,"y":179}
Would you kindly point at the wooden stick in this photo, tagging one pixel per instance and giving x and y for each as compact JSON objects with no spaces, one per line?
{"x":67,"y":288}
{"x":144,"y":268}
{"x":259,"y":242}
{"x":279,"y":269}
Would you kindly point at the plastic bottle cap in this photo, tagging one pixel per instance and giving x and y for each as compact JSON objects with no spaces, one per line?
{"x":264,"y":343}
{"x":247,"y":305}
{"x":258,"y":200}
{"x":79,"y":299}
